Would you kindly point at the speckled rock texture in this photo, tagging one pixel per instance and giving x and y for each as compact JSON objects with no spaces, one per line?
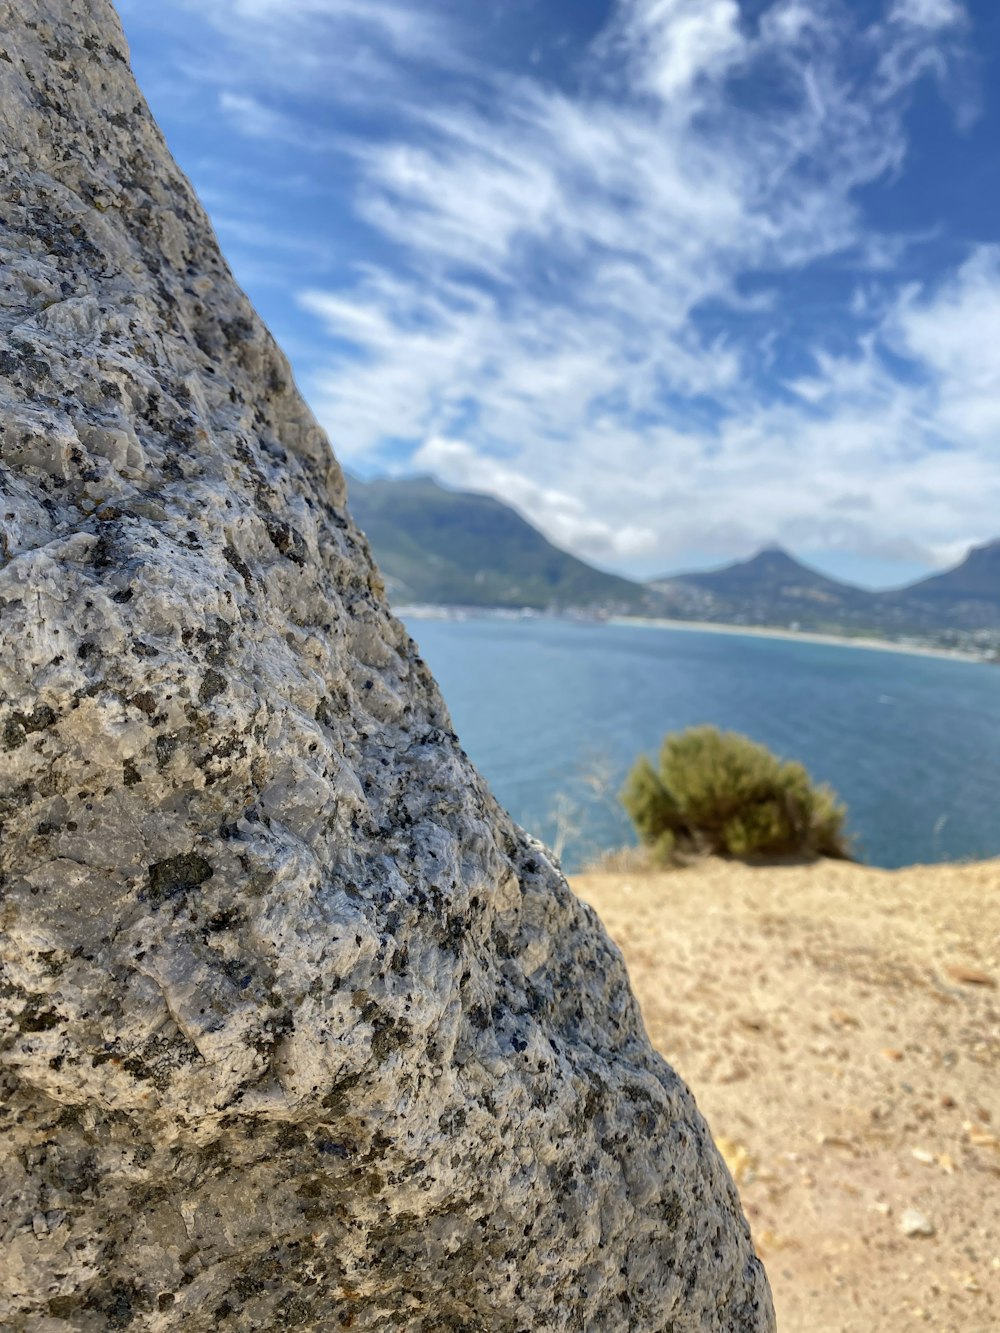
{"x":298,"y":1030}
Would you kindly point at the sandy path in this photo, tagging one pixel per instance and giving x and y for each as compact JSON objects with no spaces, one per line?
{"x":840,"y":1027}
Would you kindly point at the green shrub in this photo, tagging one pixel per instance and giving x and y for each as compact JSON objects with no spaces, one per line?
{"x":721,"y":792}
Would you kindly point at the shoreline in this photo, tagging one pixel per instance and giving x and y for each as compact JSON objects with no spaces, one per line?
{"x":798,"y":636}
{"x":430,"y":611}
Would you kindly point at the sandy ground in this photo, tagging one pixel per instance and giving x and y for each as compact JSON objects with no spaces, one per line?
{"x":840,"y":1027}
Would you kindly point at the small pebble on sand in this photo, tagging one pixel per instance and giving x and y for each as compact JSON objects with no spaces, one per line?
{"x":914,"y":1223}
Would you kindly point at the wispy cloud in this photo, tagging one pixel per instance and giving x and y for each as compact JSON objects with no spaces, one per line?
{"x":588,"y":298}
{"x":953,"y":335}
{"x":412,"y":30}
{"x":673,"y":44}
{"x":563,"y":515}
{"x":285,"y":45}
{"x":929,"y":13}
{"x":251,"y":116}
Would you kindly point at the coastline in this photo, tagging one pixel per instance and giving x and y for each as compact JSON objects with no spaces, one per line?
{"x":432,"y":611}
{"x":798,"y":636}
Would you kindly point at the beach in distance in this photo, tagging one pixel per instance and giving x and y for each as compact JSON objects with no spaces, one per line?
{"x":911,"y":647}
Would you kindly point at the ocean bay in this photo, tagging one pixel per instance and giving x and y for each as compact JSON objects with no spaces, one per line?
{"x":554,"y":711}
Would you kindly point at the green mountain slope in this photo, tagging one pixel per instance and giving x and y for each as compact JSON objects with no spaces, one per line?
{"x":966,"y":597}
{"x":455,"y":548}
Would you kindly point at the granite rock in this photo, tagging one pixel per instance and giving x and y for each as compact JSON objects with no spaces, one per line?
{"x":297,"y":1029}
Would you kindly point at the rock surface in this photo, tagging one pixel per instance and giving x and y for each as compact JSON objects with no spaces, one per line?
{"x":297,"y":1029}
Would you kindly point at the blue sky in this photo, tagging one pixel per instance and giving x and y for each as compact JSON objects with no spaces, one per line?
{"x":678,"y":278}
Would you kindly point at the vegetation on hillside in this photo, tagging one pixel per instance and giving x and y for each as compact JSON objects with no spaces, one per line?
{"x":720,"y":792}
{"x":456,"y":548}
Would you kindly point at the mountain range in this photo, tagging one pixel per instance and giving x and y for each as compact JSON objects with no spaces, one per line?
{"x":457,"y":548}
{"x":773,"y":588}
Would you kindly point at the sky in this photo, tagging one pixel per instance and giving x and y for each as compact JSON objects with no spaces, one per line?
{"x":676,"y":278}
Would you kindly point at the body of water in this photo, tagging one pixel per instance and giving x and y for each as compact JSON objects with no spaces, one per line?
{"x":553,"y":713}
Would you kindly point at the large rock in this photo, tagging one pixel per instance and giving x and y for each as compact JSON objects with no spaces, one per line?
{"x":298,"y":1029}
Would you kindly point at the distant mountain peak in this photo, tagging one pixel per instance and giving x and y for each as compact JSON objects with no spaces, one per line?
{"x":774,"y":554}
{"x":770,"y":563}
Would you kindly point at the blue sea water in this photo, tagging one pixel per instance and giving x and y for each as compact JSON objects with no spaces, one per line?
{"x":553,"y":713}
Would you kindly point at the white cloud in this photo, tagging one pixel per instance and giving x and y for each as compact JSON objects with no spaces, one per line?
{"x":954,"y":335}
{"x":320,"y":52}
{"x":577,"y":398}
{"x":584,"y":293}
{"x":562,"y":515}
{"x":955,"y":330}
{"x":407,"y":28}
{"x":929,"y":13}
{"x":252,"y":117}
{"x":674,"y":43}
{"x":926,"y":38}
